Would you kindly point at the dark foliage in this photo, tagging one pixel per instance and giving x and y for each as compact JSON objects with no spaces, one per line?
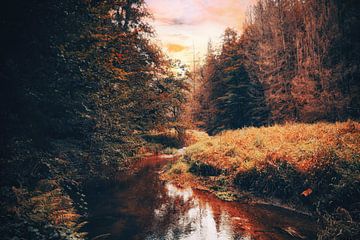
{"x":201,"y":169}
{"x":80,"y":80}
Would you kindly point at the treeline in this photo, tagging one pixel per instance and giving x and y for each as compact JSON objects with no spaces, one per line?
{"x":294,"y":61}
{"x":80,"y":82}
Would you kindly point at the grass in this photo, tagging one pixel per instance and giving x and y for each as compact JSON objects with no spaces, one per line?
{"x":301,"y":145}
{"x":315,"y":167}
{"x":194,"y":136}
{"x":168,"y":141}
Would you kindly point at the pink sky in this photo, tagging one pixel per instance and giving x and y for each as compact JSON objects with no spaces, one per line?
{"x":181,"y":23}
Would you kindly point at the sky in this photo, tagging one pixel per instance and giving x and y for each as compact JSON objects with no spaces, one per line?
{"x":184,"y":25}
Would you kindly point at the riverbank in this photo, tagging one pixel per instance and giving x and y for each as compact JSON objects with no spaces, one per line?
{"x":311,"y":167}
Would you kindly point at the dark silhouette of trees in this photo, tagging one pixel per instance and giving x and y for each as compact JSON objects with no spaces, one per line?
{"x":230,"y":94}
{"x":80,"y":82}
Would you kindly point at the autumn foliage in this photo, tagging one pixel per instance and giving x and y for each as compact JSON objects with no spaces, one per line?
{"x":294,"y":61}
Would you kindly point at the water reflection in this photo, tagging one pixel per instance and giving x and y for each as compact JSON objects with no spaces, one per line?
{"x":173,"y":192}
{"x":141,"y":206}
{"x":196,"y":221}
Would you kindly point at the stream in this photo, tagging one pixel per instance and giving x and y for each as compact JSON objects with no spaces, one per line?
{"x":141,"y":206}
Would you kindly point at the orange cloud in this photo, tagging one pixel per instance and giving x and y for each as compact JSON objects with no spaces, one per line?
{"x":173,"y":47}
{"x":230,"y":13}
{"x":185,"y":26}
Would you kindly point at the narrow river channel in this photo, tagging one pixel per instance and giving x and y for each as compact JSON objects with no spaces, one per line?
{"x":141,"y":206}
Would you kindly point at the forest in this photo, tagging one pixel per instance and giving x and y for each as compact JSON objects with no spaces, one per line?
{"x":295,"y":61}
{"x":78,"y":88}
{"x":103,"y":135}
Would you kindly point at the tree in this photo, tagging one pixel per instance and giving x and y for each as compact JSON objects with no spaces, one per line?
{"x":79,"y":81}
{"x":229,"y":96}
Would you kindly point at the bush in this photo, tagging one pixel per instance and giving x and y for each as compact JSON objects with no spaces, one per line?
{"x":201,"y":169}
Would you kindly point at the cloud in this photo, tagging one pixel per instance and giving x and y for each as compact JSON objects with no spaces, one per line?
{"x":171,"y":21}
{"x":179,"y":36}
{"x":196,"y":12}
{"x":184,"y":23}
{"x":229,"y":13}
{"x":174,"y":47}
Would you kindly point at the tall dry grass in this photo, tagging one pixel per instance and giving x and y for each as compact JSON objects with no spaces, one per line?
{"x":301,"y":145}
{"x":316,"y":166}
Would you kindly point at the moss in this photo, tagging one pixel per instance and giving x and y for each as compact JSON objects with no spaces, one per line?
{"x":226,"y":196}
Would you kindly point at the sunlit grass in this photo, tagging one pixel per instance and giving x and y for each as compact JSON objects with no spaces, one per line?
{"x":194,"y":136}
{"x":179,"y":167}
{"x":301,"y":145}
{"x":312,"y":167}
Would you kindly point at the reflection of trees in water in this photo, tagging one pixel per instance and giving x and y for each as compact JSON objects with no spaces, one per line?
{"x":143,"y":207}
{"x":191,"y":218}
{"x":127,"y":209}
{"x":169,"y":217}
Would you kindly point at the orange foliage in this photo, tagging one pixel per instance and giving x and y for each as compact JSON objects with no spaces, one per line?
{"x":301,"y":145}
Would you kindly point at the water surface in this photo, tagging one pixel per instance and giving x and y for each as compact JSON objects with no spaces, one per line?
{"x":141,"y":206}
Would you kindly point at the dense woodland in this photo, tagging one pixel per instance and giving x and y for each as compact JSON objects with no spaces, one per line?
{"x":81,"y":82}
{"x":294,"y":61}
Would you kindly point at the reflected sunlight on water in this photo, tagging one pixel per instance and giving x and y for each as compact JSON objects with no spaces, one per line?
{"x":141,"y":206}
{"x":197,"y":221}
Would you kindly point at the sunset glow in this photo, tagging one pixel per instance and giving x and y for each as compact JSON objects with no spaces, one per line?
{"x":182,"y":26}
